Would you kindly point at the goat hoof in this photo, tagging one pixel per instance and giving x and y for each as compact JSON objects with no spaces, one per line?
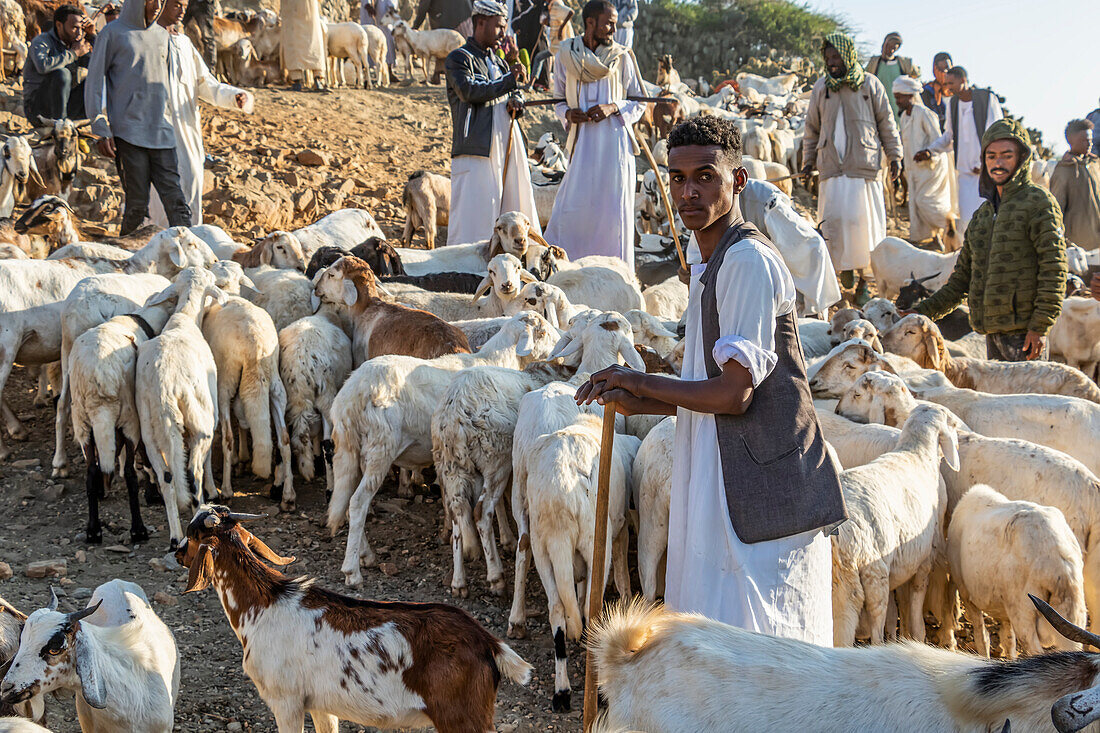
{"x":19,"y":434}
{"x":560,"y":704}
{"x":139,"y":535}
{"x":93,"y":536}
{"x":287,"y":505}
{"x":60,"y":472}
{"x":496,"y":587}
{"x":353,"y":580}
{"x":460,"y":591}
{"x":517,"y":631}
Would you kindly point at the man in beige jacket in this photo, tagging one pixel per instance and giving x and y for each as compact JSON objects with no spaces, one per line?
{"x":848,"y":124}
{"x":1075,"y":184}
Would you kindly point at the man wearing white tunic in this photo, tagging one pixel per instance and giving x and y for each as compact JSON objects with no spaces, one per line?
{"x":848,"y":123}
{"x":303,"y":43}
{"x":594,"y":209}
{"x":189,"y":81}
{"x":482,"y":93}
{"x":931,"y":213}
{"x":754,"y":494}
{"x":970,"y":111}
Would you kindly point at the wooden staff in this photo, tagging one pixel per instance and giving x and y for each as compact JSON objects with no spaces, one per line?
{"x":599,"y":557}
{"x":507,"y":152}
{"x":665,"y":198}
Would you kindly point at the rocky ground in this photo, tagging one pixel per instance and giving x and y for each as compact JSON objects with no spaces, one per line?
{"x":298,"y":157}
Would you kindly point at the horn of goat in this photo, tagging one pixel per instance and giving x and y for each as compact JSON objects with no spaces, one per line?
{"x":77,"y":615}
{"x":1063,"y":626}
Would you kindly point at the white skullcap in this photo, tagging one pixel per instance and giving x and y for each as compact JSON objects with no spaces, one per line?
{"x":490,"y":7}
{"x":906,"y":85}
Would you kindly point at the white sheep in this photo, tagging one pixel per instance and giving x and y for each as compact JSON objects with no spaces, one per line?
{"x":347,"y":41}
{"x":650,"y":331}
{"x":667,"y":299}
{"x":1021,"y":470}
{"x":895,"y":262}
{"x":503,"y":283}
{"x":480,"y":330}
{"x":126,"y":674}
{"x":218,"y":240}
{"x":17,"y":168}
{"x":881,"y":312}
{"x":1075,"y":336}
{"x":813,"y":335}
{"x":382,"y":416}
{"x":896,"y":506}
{"x":376,"y":55}
{"x":864,"y":330}
{"x":839,"y":320}
{"x":856,"y":444}
{"x":176,"y":390}
{"x":284,"y":294}
{"x":561,"y":507}
{"x":472,"y":445}
{"x":549,"y":301}
{"x":245,"y":346}
{"x":314,"y":362}
{"x":595,"y":340}
{"x":1001,"y":551}
{"x":652,"y":475}
{"x":11,"y":626}
{"x":918,"y":338}
{"x":512,"y":234}
{"x":603,"y":283}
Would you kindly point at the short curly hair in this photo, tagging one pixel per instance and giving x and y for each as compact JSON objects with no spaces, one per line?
{"x":1076,"y":126}
{"x":707,"y":130}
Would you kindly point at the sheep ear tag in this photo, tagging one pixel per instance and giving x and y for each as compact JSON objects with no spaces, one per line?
{"x":350,"y":293}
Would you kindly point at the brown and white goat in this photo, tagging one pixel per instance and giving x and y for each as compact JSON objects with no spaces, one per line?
{"x":311,"y":650}
{"x":58,"y":157}
{"x":380,"y":327}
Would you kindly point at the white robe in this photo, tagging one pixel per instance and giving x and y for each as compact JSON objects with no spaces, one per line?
{"x":193,"y":81}
{"x":930,"y":204}
{"x":478,"y":195}
{"x":970,"y":154}
{"x":594,"y":209}
{"x":782,"y":587}
{"x":851,"y":212}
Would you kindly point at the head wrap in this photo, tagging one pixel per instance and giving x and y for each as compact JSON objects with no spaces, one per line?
{"x":907,"y":85}
{"x":490,"y":8}
{"x":893,"y":34}
{"x":846,"y":47}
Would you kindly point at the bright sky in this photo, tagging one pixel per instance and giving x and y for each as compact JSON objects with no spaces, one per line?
{"x":1040,"y":56}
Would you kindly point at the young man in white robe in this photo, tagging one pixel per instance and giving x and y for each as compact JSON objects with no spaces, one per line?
{"x":848,"y":123}
{"x":190,"y":80}
{"x":489,"y":174}
{"x":594,"y":208}
{"x":754,"y":493}
{"x":931,"y":213}
{"x":970,"y":112}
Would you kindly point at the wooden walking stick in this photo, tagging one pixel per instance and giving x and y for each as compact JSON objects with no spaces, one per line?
{"x":664,"y":198}
{"x":599,"y":557}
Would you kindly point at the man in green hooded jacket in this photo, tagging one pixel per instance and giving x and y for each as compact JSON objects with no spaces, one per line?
{"x":1012,"y":266}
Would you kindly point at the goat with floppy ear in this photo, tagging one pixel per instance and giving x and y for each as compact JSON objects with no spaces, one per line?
{"x":206,"y":530}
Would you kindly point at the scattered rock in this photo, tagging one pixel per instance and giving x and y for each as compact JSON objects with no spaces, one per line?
{"x":80,"y":556}
{"x":47,"y":569}
{"x":388,"y":568}
{"x":158,"y":564}
{"x":27,"y":463}
{"x":311,"y":157}
{"x":234,"y":726}
{"x":165,"y":599}
{"x":81,"y":594}
{"x":5,"y":571}
{"x":51,"y":494}
{"x":117,"y":548}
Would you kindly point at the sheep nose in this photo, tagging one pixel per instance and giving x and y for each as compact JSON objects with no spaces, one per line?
{"x":507,"y":288}
{"x":21,"y":177}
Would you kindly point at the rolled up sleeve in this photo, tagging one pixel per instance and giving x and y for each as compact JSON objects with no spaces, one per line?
{"x":754,"y":288}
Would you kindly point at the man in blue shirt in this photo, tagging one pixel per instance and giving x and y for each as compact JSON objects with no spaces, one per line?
{"x":49,"y":76}
{"x":934,"y":94}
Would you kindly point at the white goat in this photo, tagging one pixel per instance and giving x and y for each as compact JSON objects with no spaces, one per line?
{"x":176,"y":390}
{"x":16,"y":169}
{"x":431,"y":45}
{"x":1075,"y":336}
{"x":667,"y":299}
{"x":664,"y":671}
{"x":382,"y":416}
{"x":896,"y":506}
{"x":127,"y":674}
{"x":882,"y":313}
{"x":345,"y":228}
{"x":652,"y":474}
{"x":503,"y":283}
{"x":512,"y":234}
{"x":348,"y":41}
{"x":999,"y":552}
{"x":864,"y":330}
{"x":284,"y":294}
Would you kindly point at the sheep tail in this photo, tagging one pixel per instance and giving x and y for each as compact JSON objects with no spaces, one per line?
{"x":511,"y":665}
{"x":103,"y":431}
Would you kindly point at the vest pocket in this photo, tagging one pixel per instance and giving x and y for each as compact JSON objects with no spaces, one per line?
{"x":763,"y":462}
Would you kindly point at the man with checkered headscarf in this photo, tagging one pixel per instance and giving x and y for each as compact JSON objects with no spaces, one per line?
{"x":489,"y":173}
{"x":848,"y":124}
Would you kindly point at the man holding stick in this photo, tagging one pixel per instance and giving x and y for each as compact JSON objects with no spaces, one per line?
{"x":594,"y":209}
{"x":489,"y":173}
{"x":754,"y":493}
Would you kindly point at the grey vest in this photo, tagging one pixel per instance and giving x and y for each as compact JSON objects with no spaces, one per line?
{"x":778,"y":477}
{"x":980,"y":101}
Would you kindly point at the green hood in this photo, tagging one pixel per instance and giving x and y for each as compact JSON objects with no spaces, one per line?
{"x":1006,"y":129}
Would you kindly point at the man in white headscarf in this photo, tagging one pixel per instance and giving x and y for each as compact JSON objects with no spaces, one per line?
{"x":489,"y":173}
{"x":931,"y":214}
{"x":594,"y":209}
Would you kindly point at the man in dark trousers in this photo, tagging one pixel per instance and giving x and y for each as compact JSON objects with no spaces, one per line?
{"x":1012,"y":265}
{"x":50,"y":89}
{"x":202,"y":12}
{"x":128,"y":78}
{"x":754,"y":492}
